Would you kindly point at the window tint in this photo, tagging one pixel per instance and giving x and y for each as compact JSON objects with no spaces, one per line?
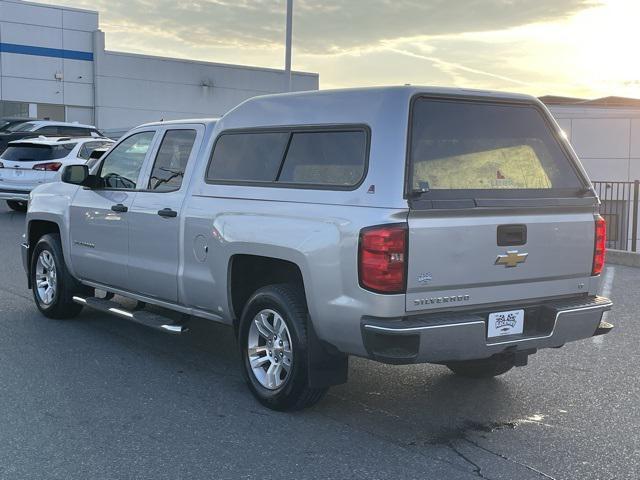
{"x":49,"y":130}
{"x":88,"y":147}
{"x":20,"y":127}
{"x":325,"y":158}
{"x":25,"y":152}
{"x":248,"y":156}
{"x":171,"y":161}
{"x":482,"y":146}
{"x":74,"y":131}
{"x":122,"y":166}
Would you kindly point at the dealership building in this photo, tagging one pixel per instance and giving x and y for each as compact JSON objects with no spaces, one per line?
{"x":53,"y":65}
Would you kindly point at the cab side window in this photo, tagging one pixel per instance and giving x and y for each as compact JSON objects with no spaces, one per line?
{"x":88,"y":147}
{"x":171,"y":161}
{"x":121,"y":168}
{"x":74,"y":131}
{"x":48,"y":130}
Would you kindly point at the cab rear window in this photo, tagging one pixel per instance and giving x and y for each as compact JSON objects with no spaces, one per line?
{"x":480,"y":146}
{"x":36,"y":153}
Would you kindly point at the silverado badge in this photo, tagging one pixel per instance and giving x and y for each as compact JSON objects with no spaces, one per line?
{"x":511,"y":259}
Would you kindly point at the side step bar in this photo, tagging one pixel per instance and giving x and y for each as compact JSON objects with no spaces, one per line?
{"x":148,"y":319}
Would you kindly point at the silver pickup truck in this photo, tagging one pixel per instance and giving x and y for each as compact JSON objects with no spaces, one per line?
{"x":400,"y":224}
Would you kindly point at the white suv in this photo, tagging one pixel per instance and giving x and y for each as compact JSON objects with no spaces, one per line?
{"x":25,"y":164}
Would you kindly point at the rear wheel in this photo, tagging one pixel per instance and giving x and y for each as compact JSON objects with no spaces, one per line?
{"x":273,"y":348}
{"x":17,"y":205}
{"x":484,"y":368}
{"x":52,"y":285}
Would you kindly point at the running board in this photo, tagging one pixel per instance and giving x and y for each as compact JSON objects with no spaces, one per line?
{"x":148,"y":319}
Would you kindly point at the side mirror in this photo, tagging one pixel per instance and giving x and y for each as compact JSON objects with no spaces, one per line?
{"x":75,"y":174}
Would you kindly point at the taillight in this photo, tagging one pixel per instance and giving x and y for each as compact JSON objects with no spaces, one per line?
{"x":1,"y":165}
{"x":382,"y":258}
{"x":600,"y":246}
{"x":48,"y":167}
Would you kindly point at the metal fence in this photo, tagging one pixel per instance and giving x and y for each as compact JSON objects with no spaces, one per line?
{"x":620,"y":210}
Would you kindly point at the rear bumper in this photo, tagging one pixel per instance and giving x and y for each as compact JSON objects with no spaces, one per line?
{"x":9,"y":194}
{"x":441,"y":338}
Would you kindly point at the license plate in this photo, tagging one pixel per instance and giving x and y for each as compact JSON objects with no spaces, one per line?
{"x":505,"y":323}
{"x":18,"y":173}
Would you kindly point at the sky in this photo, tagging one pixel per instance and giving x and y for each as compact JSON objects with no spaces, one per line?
{"x":582,"y":48}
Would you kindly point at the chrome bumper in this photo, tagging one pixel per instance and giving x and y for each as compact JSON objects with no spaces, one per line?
{"x":441,"y":338}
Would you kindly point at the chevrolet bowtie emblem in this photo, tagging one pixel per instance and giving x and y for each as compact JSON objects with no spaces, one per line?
{"x":512,"y":258}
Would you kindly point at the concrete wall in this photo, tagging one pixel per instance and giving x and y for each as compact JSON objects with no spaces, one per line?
{"x":133,"y":89}
{"x":607,"y":139}
{"x":33,"y":42}
{"x":55,"y":57}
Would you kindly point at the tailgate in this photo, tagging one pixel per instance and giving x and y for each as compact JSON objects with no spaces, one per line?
{"x":456,"y":261}
{"x":21,"y":175}
{"x":500,"y":208}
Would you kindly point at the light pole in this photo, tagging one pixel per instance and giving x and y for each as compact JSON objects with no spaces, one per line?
{"x":287,"y":55}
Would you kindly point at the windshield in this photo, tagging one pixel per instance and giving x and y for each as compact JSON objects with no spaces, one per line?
{"x":36,"y":153}
{"x":477,"y":146}
{"x":21,"y":127}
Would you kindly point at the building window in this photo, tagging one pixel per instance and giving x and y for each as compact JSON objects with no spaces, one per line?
{"x":14,"y":109}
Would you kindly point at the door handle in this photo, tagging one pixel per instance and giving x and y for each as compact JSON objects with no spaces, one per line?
{"x":167,"y":213}
{"x":119,"y":208}
{"x":512,"y":235}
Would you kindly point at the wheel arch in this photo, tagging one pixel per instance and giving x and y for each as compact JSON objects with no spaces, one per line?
{"x":247,"y":272}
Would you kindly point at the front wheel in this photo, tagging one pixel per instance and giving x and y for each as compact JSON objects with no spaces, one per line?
{"x":484,"y":368}
{"x":17,"y":205}
{"x":52,"y":285}
{"x":273,"y":348}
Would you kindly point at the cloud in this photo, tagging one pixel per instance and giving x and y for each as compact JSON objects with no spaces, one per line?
{"x":539,"y":47}
{"x":326,"y":26}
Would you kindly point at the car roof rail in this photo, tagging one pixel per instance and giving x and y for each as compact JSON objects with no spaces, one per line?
{"x":64,"y":139}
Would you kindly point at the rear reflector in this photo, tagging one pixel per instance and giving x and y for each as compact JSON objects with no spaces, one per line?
{"x":600,"y":246}
{"x":48,"y":167}
{"x":382,"y":258}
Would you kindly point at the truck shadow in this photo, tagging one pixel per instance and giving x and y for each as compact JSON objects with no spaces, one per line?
{"x":413,"y":405}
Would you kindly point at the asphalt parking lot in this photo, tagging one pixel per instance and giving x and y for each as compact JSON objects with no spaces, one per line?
{"x":100,"y":398}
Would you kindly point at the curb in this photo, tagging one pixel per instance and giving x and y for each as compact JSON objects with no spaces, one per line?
{"x":621,"y":257}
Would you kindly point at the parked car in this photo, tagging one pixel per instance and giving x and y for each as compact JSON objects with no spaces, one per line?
{"x":404,"y":225}
{"x":25,"y":164}
{"x":8,"y":122}
{"x":45,"y":128}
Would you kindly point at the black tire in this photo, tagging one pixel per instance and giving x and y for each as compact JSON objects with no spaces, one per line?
{"x":484,"y":368}
{"x":61,"y":305}
{"x":17,"y":205}
{"x":289,"y":302}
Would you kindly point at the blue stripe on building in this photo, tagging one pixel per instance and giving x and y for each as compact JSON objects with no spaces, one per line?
{"x":45,"y":52}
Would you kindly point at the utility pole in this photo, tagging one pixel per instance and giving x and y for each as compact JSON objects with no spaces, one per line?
{"x":287,"y":56}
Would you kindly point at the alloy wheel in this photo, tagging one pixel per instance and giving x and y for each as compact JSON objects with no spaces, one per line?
{"x":269,"y":349}
{"x":46,"y":278}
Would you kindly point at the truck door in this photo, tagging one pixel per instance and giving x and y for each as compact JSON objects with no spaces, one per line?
{"x":155,"y":222}
{"x":99,"y":217}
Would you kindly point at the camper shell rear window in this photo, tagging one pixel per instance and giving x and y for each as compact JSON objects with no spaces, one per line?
{"x":469,"y":149}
